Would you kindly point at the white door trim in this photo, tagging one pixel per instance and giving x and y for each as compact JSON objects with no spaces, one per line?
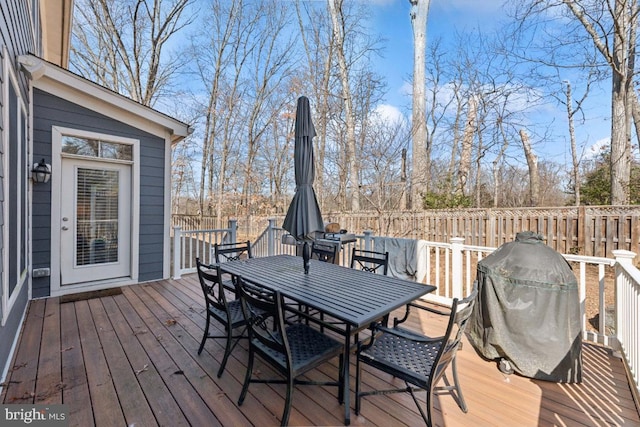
{"x":56,"y":194}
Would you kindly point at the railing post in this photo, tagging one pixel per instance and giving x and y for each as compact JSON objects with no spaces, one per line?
{"x":368,"y":240}
{"x":623,"y":257}
{"x":457,"y":285}
{"x":177,"y":249}
{"x":271,"y":239}
{"x":233,"y":227}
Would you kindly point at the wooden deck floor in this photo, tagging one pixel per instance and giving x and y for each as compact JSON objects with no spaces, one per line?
{"x":131,"y":359}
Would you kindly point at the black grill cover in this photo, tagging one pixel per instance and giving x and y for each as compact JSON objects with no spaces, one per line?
{"x":528,"y":311}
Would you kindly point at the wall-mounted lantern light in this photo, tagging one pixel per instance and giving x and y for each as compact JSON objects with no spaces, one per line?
{"x":41,"y":172}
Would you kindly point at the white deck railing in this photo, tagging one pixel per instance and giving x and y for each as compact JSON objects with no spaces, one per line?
{"x":192,"y":244}
{"x":451,"y":267}
{"x":628,"y":312}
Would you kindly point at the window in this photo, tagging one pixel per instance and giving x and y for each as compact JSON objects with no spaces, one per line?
{"x":96,"y":148}
{"x":14,"y":191}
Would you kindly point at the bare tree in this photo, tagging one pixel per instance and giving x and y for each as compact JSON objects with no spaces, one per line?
{"x":420,"y":161}
{"x":353,"y":185}
{"x":610,"y":27}
{"x":317,"y":38}
{"x":497,"y":178}
{"x":621,"y":58}
{"x":120,"y":45}
{"x":532,"y":162}
{"x":215,"y":52}
{"x":470,"y":130}
{"x":575,"y":173}
{"x":271,"y":66}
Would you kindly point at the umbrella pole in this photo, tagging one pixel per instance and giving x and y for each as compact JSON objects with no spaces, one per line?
{"x":306,"y":255}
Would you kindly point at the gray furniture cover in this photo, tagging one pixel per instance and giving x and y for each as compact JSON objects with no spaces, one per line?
{"x":528,"y":311}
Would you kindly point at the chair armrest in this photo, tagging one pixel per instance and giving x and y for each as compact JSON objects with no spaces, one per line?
{"x":431,"y":309}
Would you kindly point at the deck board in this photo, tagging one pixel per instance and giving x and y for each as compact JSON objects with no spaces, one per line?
{"x":105,"y":403}
{"x":49,"y":379}
{"x":25,"y":366}
{"x":75,"y":387}
{"x":131,"y":359}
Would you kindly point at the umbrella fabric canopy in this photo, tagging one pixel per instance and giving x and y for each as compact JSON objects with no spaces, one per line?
{"x":303,"y":217}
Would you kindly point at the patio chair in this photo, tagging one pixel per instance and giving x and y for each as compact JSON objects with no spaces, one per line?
{"x":291,"y":349}
{"x":224,"y":252}
{"x":324,"y":252}
{"x":227,"y":313}
{"x":232,"y":251}
{"x":419,"y":360}
{"x":374,"y":262}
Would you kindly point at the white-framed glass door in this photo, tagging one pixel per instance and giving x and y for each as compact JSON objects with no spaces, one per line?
{"x":95,"y":221}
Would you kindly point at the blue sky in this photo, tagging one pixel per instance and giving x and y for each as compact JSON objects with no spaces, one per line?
{"x":446,"y":17}
{"x":391,"y":19}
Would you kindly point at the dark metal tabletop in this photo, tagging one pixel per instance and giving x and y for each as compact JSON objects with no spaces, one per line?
{"x":352,"y":296}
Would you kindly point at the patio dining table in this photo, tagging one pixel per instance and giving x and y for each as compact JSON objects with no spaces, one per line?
{"x":354,"y":298}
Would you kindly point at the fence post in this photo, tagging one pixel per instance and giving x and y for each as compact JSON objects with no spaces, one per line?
{"x":368,"y":240}
{"x":457,"y":285}
{"x":233,"y":227}
{"x":177,"y":249}
{"x":271,"y":240}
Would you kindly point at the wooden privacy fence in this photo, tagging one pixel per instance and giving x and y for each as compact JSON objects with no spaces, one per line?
{"x":584,"y":230}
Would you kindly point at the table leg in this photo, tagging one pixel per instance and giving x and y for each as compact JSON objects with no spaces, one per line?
{"x":347,"y":361}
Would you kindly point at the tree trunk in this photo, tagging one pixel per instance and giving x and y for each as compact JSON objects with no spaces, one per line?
{"x":574,"y":152}
{"x":620,"y":161}
{"x":420,"y":162}
{"x":467,"y":147}
{"x":532,"y":162}
{"x":353,"y":184}
{"x":497,"y":179}
{"x":403,"y":181}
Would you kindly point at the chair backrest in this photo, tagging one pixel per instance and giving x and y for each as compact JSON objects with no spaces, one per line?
{"x":211,"y":284}
{"x":324,"y":252}
{"x":232,"y":251}
{"x":460,"y":314}
{"x":375,"y":262}
{"x":263,"y":312}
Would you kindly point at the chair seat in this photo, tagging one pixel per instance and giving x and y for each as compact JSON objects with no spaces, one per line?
{"x":235,"y":310}
{"x":404,"y":358}
{"x":227,"y":283}
{"x":307,"y":345}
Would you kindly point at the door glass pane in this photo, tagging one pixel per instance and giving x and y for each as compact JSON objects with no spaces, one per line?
{"x":96,"y":148}
{"x":97,"y":216}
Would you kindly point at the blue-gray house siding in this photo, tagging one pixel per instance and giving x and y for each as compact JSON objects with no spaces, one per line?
{"x":49,"y":111}
{"x":16,"y":38}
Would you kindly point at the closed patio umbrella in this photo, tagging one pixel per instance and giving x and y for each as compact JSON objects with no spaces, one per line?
{"x":303,"y":218}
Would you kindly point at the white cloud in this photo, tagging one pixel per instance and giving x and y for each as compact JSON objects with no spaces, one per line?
{"x":389,"y":114}
{"x":595,"y":149}
{"x":406,"y":89}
